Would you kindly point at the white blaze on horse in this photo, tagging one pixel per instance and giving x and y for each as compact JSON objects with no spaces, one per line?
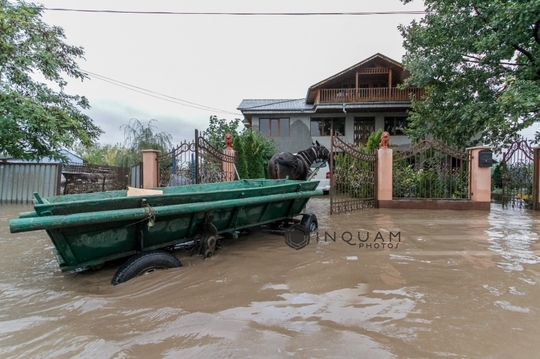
{"x":296,"y":166}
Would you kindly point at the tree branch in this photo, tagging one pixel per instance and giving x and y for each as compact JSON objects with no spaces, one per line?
{"x":536,"y":26}
{"x":477,"y":60}
{"x":515,"y":46}
{"x":524,"y":52}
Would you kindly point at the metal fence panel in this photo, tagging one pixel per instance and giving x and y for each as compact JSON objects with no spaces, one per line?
{"x":431,"y":170}
{"x":19,"y":181}
{"x":135,"y":176}
{"x":516,"y":171}
{"x":353,"y":178}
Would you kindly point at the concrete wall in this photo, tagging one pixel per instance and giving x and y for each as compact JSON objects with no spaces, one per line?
{"x":300,"y":137}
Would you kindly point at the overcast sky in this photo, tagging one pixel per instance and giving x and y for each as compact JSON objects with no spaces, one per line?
{"x":215,"y":60}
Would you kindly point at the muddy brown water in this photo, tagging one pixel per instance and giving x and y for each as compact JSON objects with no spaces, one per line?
{"x":458,"y":284}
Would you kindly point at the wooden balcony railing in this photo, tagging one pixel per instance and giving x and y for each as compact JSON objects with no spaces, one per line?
{"x":370,"y":94}
{"x":374,"y":70}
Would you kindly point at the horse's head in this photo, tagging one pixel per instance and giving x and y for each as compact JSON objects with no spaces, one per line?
{"x":322,"y":152}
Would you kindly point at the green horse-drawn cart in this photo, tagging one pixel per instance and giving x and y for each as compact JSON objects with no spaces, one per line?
{"x":88,"y":230}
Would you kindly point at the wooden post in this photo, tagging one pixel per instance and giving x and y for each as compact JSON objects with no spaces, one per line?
{"x":151,"y":169}
{"x":480,"y":180}
{"x":389,"y":84}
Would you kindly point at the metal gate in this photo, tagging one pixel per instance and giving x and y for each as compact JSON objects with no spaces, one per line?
{"x":353,"y":174}
{"x":516,"y":170}
{"x":194,"y":162}
{"x":431,"y":170}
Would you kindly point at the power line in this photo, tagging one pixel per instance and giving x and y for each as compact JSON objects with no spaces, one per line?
{"x":354,"y":13}
{"x":158,"y":95}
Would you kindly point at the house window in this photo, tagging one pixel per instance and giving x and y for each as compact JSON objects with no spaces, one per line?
{"x":362,"y":128}
{"x":274,"y":127}
{"x":323,"y":126}
{"x":395,"y":125}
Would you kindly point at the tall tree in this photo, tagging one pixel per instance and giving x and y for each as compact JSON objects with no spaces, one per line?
{"x":253,"y":149}
{"x":35,"y":119}
{"x":104,"y":155}
{"x":218,"y":128}
{"x":479,"y":61}
{"x":241,"y":160}
{"x":140,"y":136}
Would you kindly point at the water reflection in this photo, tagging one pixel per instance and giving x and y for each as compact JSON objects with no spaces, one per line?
{"x":513,"y":239}
{"x":461,"y":284}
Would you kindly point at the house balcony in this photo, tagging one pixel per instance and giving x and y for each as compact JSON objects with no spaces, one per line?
{"x":369,"y":94}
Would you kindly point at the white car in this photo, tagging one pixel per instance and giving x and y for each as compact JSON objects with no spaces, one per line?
{"x":322,"y":175}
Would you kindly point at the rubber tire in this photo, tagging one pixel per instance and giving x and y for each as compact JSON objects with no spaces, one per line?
{"x":144,"y":262}
{"x":309,"y":222}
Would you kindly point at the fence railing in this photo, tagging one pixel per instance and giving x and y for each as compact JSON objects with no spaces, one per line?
{"x":370,"y":94}
{"x":353,"y":178}
{"x":431,"y":170}
{"x":196,"y":161}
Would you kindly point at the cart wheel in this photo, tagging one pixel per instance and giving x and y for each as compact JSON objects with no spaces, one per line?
{"x":309,"y":221}
{"x":210,"y":247}
{"x":144,"y":263}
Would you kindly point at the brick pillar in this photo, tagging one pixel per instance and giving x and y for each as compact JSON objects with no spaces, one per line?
{"x":150,"y":169}
{"x":384,"y":176}
{"x":229,"y":174}
{"x":480,"y":182}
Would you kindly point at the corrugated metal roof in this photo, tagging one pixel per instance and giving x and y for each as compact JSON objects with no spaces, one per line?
{"x":266,"y":106}
{"x":256,"y":105}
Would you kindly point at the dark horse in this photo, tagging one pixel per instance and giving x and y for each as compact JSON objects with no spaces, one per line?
{"x":296,"y":166}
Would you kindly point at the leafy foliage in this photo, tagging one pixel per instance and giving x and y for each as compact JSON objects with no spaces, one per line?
{"x":105,"y":155}
{"x":241,"y":160}
{"x":374,"y":140}
{"x":253,"y":150}
{"x":218,"y":128}
{"x":140,"y":136}
{"x":515,"y":182}
{"x":353,"y":175}
{"x":496,"y":176}
{"x":428,"y":175}
{"x":35,"y":120}
{"x":479,"y":61}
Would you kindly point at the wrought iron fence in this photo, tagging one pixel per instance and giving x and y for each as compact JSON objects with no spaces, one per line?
{"x":431,"y":170}
{"x":517,"y":176}
{"x":353,"y":178}
{"x":177,"y":167}
{"x":194,"y":162}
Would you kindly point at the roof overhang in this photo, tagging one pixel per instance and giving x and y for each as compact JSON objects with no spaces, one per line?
{"x":393,"y":64}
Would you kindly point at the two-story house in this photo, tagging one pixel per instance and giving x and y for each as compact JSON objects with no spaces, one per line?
{"x":353,"y":103}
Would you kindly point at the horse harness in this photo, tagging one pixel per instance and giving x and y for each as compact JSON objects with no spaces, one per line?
{"x":307,"y":161}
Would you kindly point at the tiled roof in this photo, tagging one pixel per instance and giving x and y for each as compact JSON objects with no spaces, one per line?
{"x":256,"y":105}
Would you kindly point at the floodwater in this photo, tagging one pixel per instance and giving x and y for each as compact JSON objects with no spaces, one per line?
{"x":458,"y":284}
